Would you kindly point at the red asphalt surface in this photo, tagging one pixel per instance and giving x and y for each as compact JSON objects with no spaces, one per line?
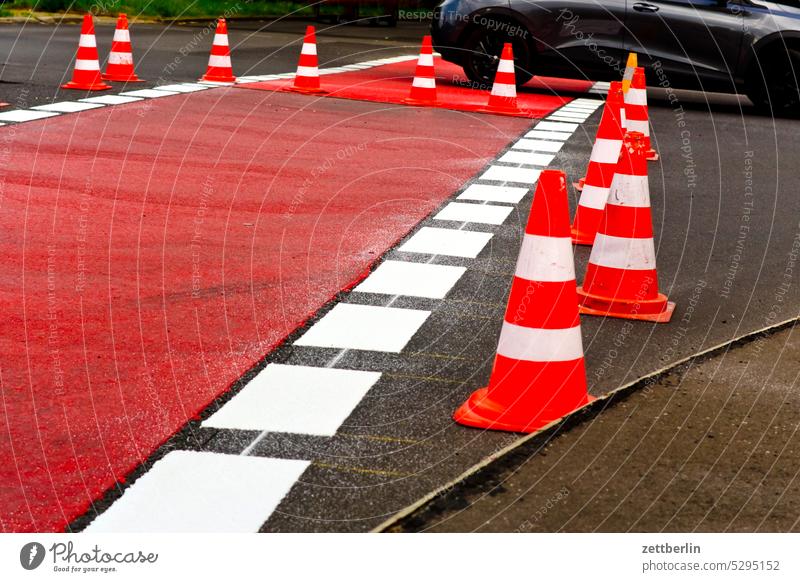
{"x":392,"y":83}
{"x":153,"y":252}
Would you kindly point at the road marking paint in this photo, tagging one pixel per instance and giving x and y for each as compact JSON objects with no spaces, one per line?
{"x":67,"y":106}
{"x":481,"y":213}
{"x":509,"y":174}
{"x":183,"y":87}
{"x":149,"y":93}
{"x":110,"y":99}
{"x":189,"y":491}
{"x":563,"y":118}
{"x":412,"y":279}
{"x":442,"y":241}
{"x":526,"y":158}
{"x":295,"y":399}
{"x":18,"y":115}
{"x":364,"y":327}
{"x":556,"y":126}
{"x":551,"y":135}
{"x":489,"y":193}
{"x":538,"y":145}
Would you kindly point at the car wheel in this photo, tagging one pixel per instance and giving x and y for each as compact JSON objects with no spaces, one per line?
{"x":483,"y":47}
{"x":779,"y":89}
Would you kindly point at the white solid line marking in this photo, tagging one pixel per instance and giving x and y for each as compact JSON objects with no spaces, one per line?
{"x":183,"y":87}
{"x":25,"y":115}
{"x":364,"y":327}
{"x":412,"y":279}
{"x":480,"y":213}
{"x":509,"y":174}
{"x":443,"y":241}
{"x":295,"y":399}
{"x":488,"y":193}
{"x":189,"y":491}
{"x":67,"y":106}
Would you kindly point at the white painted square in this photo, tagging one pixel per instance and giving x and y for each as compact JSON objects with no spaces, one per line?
{"x":508,"y":174}
{"x":538,"y":145}
{"x":579,"y":108}
{"x":365,"y":327}
{"x":67,"y":106}
{"x":19,"y":115}
{"x":554,"y":135}
{"x":196,"y":492}
{"x":526,"y":158}
{"x":444,"y":241}
{"x":576,"y":115}
{"x":412,"y":279}
{"x":487,"y":193}
{"x":110,"y":99}
{"x":562,"y":118}
{"x":295,"y":399}
{"x":149,"y":93}
{"x":183,"y":87}
{"x":481,"y":213}
{"x":556,"y":126}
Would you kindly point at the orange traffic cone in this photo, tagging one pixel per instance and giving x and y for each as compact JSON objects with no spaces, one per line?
{"x":120,"y":59}
{"x":86,"y":76}
{"x":219,"y":61}
{"x":423,"y":88}
{"x":503,"y":98}
{"x":602,"y":162}
{"x":307,"y":78}
{"x":538,"y":373}
{"x":636,"y":114}
{"x":627,"y":76}
{"x":621,"y":278}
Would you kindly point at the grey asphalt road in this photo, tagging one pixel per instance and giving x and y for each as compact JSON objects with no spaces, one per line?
{"x":37,"y":58}
{"x":727,"y":227}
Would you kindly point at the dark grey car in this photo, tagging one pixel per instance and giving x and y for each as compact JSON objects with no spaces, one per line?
{"x":730,"y":46}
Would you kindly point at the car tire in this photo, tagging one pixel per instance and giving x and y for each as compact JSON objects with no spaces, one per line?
{"x":483,"y":46}
{"x":777,"y":90}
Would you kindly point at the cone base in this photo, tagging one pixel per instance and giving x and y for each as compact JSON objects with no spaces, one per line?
{"x":658,"y":310}
{"x":412,"y":101}
{"x":307,"y":90}
{"x":579,"y":184}
{"x":122,"y":78}
{"x":480,"y":412}
{"x":652,"y":156}
{"x":82,"y":87}
{"x":581,"y":238}
{"x":226,"y":80}
{"x":503,"y":111}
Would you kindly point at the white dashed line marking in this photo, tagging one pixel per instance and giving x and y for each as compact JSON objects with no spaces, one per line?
{"x":189,"y":491}
{"x":412,"y":279}
{"x":443,"y":241}
{"x":480,"y":213}
{"x":19,"y":115}
{"x":489,"y":193}
{"x":68,"y":106}
{"x":510,"y":174}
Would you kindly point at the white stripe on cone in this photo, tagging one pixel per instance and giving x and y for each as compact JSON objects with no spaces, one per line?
{"x":122,"y":35}
{"x":630,"y":191}
{"x":307,"y":71}
{"x":546,"y":259}
{"x":636,"y":97}
{"x":635,"y":254}
{"x":220,"y":40}
{"x":638,"y":125}
{"x":308,"y":49}
{"x":606,"y":151}
{"x":424,"y":82}
{"x":540,"y":345}
{"x":504,"y":90}
{"x":87,"y":41}
{"x":594,"y":196}
{"x":425,"y":60}
{"x":505,"y":66}
{"x":219,"y":61}
{"x":120,"y":59}
{"x":84,"y":65}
